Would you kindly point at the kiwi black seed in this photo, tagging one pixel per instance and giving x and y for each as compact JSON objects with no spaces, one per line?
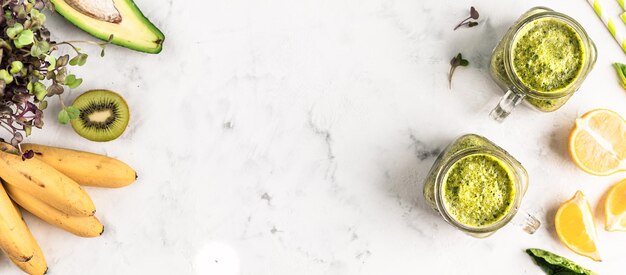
{"x":103,"y":115}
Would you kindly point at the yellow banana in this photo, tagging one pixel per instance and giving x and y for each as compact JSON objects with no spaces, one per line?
{"x":15,"y":238}
{"x":88,"y":226}
{"x":37,"y":264}
{"x":46,"y":184}
{"x":85,"y":168}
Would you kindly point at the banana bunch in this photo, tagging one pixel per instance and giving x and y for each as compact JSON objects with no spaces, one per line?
{"x":49,"y":186}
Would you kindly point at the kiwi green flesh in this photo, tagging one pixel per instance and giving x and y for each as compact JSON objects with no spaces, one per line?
{"x":103,"y":115}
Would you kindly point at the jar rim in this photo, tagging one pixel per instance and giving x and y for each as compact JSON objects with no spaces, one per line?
{"x":439,"y":185}
{"x":588,"y":59}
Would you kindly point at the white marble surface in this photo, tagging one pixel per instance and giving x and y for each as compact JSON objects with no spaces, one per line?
{"x":337,"y":109}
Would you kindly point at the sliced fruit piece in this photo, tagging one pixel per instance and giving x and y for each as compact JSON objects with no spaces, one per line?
{"x":597,"y":142}
{"x":575,"y":226}
{"x":615,"y":208}
{"x":103,"y":116}
{"x":120,"y":18}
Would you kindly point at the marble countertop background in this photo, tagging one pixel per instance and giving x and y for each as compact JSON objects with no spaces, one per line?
{"x":293,"y":137}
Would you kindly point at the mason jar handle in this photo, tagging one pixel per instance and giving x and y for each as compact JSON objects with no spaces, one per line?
{"x":526,"y":221}
{"x":506,"y":105}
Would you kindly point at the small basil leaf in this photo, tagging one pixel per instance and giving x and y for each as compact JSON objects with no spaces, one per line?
{"x":552,"y":264}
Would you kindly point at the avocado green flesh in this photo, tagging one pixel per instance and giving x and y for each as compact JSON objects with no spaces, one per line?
{"x":135,"y":31}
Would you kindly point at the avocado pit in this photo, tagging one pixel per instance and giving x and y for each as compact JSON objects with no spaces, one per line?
{"x":103,"y":10}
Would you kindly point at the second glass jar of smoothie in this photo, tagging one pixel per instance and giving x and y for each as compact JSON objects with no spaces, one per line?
{"x":543,"y":59}
{"x":476,"y":186}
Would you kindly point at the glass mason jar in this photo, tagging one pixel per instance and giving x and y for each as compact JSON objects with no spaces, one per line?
{"x":465,"y":147}
{"x":504,"y":71}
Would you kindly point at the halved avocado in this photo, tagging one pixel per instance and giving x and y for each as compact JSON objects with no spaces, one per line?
{"x":121,"y":18}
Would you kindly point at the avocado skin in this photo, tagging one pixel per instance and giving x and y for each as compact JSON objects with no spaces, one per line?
{"x":156,"y":46}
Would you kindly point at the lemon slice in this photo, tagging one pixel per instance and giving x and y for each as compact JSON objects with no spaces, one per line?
{"x":575,"y":227}
{"x":597,"y":142}
{"x":615,"y":208}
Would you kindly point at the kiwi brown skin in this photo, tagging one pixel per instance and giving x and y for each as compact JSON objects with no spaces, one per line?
{"x":104,"y":115}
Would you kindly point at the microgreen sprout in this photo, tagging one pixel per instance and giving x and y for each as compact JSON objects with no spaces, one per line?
{"x":454,"y":63}
{"x":467,"y":22}
{"x":30,"y":71}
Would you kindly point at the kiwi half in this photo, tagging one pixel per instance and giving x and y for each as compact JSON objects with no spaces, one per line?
{"x":103,"y":115}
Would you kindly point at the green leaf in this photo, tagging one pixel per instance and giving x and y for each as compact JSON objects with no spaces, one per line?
{"x":67,"y":114}
{"x":53,"y":62}
{"x":39,"y":90}
{"x":61,"y":73}
{"x":16,"y":66}
{"x":64,"y":117}
{"x":15,"y":30}
{"x":8,"y":15}
{"x":74,"y":61}
{"x":40,"y":48}
{"x":70,"y":78}
{"x":461,"y":61}
{"x":76,"y":83}
{"x":25,"y":38}
{"x":5,"y":45}
{"x":79,"y":59}
{"x":63,"y":60}
{"x":37,"y":17}
{"x":621,"y":72}
{"x":43,"y":105}
{"x":73,"y":112}
{"x":38,"y":75}
{"x":83,"y":59}
{"x":4,"y":75}
{"x":55,"y":89}
{"x":27,"y":130}
{"x":551,"y":263}
{"x":73,"y":82}
{"x":50,"y":75}
{"x":21,"y":11}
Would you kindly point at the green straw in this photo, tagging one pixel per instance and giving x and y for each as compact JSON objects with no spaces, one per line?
{"x":623,"y":15}
{"x":608,"y":22}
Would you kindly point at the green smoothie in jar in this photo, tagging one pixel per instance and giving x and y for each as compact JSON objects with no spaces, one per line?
{"x":475,"y":185}
{"x":548,"y":56}
{"x":542,"y":59}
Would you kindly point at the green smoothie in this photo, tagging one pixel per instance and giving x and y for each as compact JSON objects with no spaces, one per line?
{"x":478,"y":190}
{"x":464,"y":142}
{"x":547,"y":56}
